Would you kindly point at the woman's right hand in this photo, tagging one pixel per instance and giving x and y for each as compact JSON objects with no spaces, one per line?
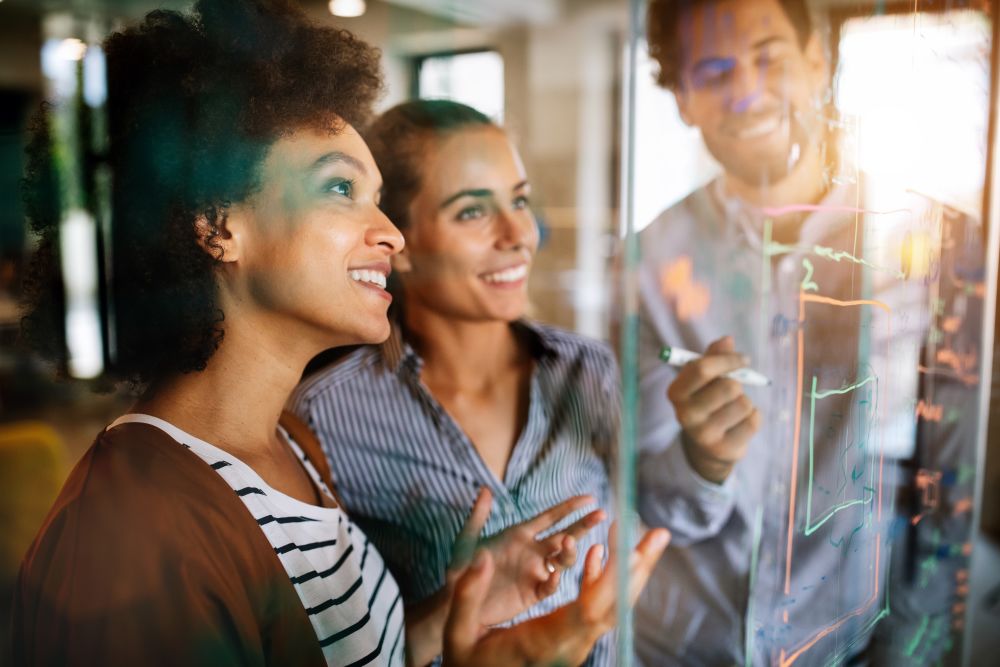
{"x":564,"y":636}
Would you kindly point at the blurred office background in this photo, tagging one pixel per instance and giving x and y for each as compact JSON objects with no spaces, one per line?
{"x":556,"y":73}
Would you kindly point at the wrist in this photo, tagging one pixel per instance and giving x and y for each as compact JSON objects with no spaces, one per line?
{"x":563,"y":637}
{"x":425,"y":623}
{"x":709,"y":468}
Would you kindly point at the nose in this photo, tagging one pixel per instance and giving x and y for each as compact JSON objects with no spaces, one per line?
{"x":517,"y":228}
{"x":747,"y":86}
{"x":384,"y":234}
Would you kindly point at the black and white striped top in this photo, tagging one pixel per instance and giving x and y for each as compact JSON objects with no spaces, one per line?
{"x":409,"y":474}
{"x":351,"y":598}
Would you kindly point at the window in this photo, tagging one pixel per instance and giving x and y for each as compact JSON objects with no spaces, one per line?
{"x":474,"y":78}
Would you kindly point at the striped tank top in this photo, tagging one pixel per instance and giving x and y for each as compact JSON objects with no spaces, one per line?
{"x":352,"y":600}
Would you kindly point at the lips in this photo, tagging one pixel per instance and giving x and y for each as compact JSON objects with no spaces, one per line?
{"x":506,"y":276}
{"x":761,"y":126}
{"x":372,"y":277}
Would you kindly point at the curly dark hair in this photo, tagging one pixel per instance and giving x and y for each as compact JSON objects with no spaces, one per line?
{"x":398,"y":142}
{"x":195,"y":101}
{"x":664,"y":20}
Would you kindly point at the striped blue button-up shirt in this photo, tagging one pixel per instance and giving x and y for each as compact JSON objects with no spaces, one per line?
{"x":409,"y":475}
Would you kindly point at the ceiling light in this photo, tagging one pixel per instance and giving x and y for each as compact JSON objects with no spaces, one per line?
{"x":347,"y":8}
{"x":71,"y":49}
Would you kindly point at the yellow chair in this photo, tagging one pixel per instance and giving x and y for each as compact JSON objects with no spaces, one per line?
{"x":32,"y":470}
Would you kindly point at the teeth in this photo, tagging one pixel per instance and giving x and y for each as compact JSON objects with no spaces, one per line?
{"x":760,"y":129}
{"x":366,"y":276}
{"x":507,"y":275}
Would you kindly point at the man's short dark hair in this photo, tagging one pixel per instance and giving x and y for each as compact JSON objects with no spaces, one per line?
{"x":663,"y":23}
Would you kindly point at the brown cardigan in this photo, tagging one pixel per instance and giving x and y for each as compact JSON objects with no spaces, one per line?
{"x":149,"y":558}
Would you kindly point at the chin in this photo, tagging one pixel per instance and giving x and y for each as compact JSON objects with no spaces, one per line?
{"x":510,"y":315}
{"x":376,"y":335}
{"x":372,"y":334}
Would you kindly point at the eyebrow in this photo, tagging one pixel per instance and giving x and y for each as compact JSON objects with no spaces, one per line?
{"x":723,"y":61}
{"x":767,"y":41}
{"x":480,"y":193}
{"x":338,"y":157}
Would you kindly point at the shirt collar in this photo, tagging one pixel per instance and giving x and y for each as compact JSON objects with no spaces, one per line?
{"x":817,"y":225}
{"x":397,"y":353}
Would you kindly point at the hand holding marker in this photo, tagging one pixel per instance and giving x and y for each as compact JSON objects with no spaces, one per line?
{"x":676,"y":356}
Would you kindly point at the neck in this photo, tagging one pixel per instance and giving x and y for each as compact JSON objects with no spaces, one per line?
{"x":804,"y":184}
{"x":463,"y":355}
{"x":235,"y":403}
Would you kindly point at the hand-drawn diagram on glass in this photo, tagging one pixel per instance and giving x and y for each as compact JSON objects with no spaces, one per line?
{"x":839,"y":243}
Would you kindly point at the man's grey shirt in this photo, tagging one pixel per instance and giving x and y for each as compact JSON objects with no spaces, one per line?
{"x":709,"y":268}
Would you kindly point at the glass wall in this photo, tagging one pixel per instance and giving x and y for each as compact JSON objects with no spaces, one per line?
{"x":808,"y":187}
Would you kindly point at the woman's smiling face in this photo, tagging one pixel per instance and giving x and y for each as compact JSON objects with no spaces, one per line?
{"x":312,"y":247}
{"x":472,"y":235}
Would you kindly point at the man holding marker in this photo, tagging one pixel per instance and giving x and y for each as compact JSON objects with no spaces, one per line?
{"x":763,"y":265}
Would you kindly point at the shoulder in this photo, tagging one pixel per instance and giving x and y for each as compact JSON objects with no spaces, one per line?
{"x":571,"y":346}
{"x":137,"y":500}
{"x":135,"y":461}
{"x":694,"y":214}
{"x":148,"y":557}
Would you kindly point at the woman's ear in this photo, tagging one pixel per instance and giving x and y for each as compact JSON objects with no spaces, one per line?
{"x":214,"y":233}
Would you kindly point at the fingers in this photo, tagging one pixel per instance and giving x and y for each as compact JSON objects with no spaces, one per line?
{"x":555,"y":514}
{"x":468,"y":538}
{"x":700,"y":372}
{"x":704,"y":403}
{"x":549,"y":586}
{"x":720,"y":358}
{"x":561,"y":547}
{"x":598,"y":588}
{"x":712,"y":426}
{"x":592,"y":564}
{"x":582,"y":526}
{"x":721,"y":345}
{"x":462,"y":628}
{"x":643,"y":560}
{"x":717,"y":416}
{"x":741,"y":433}
{"x":561,"y":550}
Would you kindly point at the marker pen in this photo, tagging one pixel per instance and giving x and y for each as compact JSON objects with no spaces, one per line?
{"x":676,"y":356}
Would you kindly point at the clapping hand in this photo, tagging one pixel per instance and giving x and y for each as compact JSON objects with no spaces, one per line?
{"x":526,"y":569}
{"x":563,"y":637}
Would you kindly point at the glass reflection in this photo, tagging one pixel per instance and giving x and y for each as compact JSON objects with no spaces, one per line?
{"x":838,"y":250}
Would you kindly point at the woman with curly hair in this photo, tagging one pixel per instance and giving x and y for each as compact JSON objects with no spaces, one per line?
{"x":202,"y":528}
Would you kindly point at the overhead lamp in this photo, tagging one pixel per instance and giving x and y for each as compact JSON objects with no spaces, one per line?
{"x":347,"y":8}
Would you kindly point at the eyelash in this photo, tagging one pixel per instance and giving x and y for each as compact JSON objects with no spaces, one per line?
{"x":331,"y":185}
{"x":474,"y":212}
{"x":470,"y":213}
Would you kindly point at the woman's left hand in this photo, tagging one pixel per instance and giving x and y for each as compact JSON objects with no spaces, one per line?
{"x":562,"y":637}
{"x":526,"y":570}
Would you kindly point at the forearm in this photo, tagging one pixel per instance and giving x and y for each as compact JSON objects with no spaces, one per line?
{"x":425,"y":623}
{"x":673,"y":495}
